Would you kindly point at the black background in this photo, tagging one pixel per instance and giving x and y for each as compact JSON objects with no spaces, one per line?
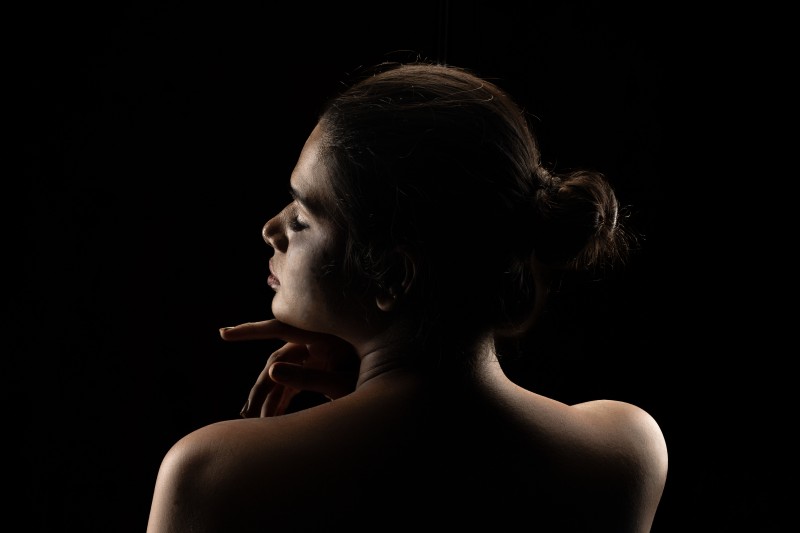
{"x":158,"y":137}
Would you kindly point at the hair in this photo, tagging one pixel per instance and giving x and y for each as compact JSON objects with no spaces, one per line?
{"x":435,"y":159}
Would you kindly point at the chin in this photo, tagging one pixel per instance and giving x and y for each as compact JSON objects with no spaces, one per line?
{"x":287,"y":316}
{"x":279,"y":312}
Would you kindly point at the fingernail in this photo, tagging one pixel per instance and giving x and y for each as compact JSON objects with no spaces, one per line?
{"x":243,"y":412}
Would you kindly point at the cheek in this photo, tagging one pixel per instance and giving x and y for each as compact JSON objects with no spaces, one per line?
{"x":310,"y":295}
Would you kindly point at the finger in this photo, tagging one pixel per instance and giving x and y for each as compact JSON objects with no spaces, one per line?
{"x":258,"y":394}
{"x":269,"y":329}
{"x":277,"y":401}
{"x":258,"y":397}
{"x":289,"y":353}
{"x":330,"y":384}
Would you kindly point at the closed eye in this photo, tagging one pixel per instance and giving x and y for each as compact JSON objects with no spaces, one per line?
{"x":296,"y":225}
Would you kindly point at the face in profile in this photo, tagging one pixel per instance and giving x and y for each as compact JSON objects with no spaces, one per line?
{"x":305,"y":269}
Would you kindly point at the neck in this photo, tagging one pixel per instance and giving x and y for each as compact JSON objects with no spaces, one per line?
{"x":447,"y":363}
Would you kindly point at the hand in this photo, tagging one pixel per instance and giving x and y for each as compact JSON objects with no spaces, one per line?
{"x":309,"y":361}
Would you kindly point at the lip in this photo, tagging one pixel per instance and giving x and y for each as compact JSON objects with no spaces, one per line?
{"x":273,"y":280}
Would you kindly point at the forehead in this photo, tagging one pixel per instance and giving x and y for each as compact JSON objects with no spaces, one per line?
{"x":310,"y":179}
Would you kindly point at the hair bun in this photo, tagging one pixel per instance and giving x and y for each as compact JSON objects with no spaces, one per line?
{"x":579,"y":222}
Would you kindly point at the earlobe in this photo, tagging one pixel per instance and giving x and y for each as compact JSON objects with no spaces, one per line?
{"x":387,"y":299}
{"x":400,"y":281}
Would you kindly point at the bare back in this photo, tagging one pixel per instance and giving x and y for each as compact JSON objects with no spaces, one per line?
{"x":399,"y":453}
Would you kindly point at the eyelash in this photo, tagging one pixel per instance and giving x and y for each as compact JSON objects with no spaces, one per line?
{"x":295,"y":224}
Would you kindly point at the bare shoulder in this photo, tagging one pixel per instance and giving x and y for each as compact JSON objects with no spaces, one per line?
{"x":625,"y":428}
{"x":595,"y":430}
{"x":235,"y":474}
{"x":202,"y":474}
{"x":628,"y":451}
{"x":605,"y":461}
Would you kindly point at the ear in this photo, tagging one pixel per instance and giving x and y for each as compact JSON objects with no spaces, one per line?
{"x":401,"y":278}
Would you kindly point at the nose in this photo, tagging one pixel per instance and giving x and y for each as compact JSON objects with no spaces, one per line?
{"x":273,"y":233}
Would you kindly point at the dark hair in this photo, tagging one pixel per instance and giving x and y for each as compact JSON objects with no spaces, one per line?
{"x":436,"y":159}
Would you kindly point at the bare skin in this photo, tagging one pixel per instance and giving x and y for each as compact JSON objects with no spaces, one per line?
{"x":396,"y":446}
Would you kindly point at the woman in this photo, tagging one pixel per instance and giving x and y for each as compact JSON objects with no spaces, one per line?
{"x":421,"y":233}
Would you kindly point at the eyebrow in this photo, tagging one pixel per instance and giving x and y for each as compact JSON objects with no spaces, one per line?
{"x":307,"y":202}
